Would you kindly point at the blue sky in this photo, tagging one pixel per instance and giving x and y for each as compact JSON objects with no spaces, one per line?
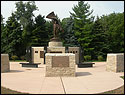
{"x":62,"y":8}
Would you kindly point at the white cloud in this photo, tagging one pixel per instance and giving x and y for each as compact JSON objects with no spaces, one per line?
{"x":106,"y":7}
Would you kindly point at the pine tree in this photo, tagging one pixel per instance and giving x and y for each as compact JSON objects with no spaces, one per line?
{"x":12,"y":36}
{"x":83,"y":25}
{"x":39,"y":34}
{"x":116,"y":32}
{"x":113,"y":25}
{"x":68,"y":36}
{"x":99,"y":41}
{"x":2,"y":34}
{"x":49,"y":29}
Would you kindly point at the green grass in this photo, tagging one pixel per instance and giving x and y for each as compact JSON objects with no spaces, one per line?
{"x":95,"y":61}
{"x":122,"y":77}
{"x":17,"y":60}
{"x":119,"y":90}
{"x":9,"y":91}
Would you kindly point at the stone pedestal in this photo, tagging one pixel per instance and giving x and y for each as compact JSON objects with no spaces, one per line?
{"x":61,"y":64}
{"x":5,"y":66}
{"x":55,"y":49}
{"x":55,"y":44}
{"x":115,"y":62}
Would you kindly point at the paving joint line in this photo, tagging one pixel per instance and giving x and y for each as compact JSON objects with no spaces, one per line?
{"x":63,"y":85}
{"x":41,"y":85}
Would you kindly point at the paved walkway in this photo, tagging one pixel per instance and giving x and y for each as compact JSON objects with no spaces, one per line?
{"x":87,"y":81}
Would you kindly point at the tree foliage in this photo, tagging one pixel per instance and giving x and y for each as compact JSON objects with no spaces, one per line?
{"x":96,"y":38}
{"x":24,"y":12}
{"x":99,"y":40}
{"x":83,"y":25}
{"x":39,"y":34}
{"x":68,"y":35}
{"x":12,"y":36}
{"x":2,"y":34}
{"x":114,"y":27}
{"x":24,"y":15}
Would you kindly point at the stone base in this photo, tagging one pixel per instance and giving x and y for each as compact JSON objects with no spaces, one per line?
{"x":55,"y":44}
{"x":60,"y":65}
{"x":5,"y":66}
{"x":55,"y":49}
{"x":115,"y":62}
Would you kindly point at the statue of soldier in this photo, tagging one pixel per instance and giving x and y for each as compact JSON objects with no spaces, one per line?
{"x":56,"y":24}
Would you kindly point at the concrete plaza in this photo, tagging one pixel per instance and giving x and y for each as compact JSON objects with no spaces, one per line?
{"x":87,"y":81}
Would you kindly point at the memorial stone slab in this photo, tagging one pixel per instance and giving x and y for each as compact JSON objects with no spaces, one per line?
{"x":60,"y":64}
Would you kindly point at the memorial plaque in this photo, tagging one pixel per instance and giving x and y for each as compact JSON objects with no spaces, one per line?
{"x":41,"y":54}
{"x":56,"y":52}
{"x":60,"y":61}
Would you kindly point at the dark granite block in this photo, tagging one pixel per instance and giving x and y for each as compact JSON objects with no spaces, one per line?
{"x":84,"y":65}
{"x":30,"y":65}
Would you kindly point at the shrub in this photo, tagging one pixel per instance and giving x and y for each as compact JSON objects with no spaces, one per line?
{"x":87,"y":58}
{"x":22,"y":57}
{"x":14,"y":57}
{"x":100,"y":58}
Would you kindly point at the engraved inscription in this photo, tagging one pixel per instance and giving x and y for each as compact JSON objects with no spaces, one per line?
{"x":56,"y":52}
{"x":41,"y":54}
{"x":60,"y":61}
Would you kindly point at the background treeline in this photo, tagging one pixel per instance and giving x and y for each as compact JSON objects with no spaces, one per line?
{"x":97,"y":36}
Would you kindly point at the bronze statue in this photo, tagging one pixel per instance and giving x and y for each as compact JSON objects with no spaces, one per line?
{"x":56,"y":24}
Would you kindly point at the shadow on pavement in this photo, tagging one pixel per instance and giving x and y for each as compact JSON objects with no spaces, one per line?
{"x":14,"y":71}
{"x":82,"y":74}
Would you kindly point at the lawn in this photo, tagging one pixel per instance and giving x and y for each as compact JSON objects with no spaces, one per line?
{"x":119,"y":90}
{"x":9,"y":91}
{"x":17,"y":60}
{"x":95,"y":61}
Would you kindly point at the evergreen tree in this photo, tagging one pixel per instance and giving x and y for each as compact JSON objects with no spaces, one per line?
{"x":113,"y":25}
{"x":12,"y":36}
{"x":39,"y":34}
{"x":83,"y":26}
{"x":49,"y":29}
{"x":116,"y":32}
{"x":2,"y":34}
{"x":68,"y":36}
{"x":99,"y":41}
